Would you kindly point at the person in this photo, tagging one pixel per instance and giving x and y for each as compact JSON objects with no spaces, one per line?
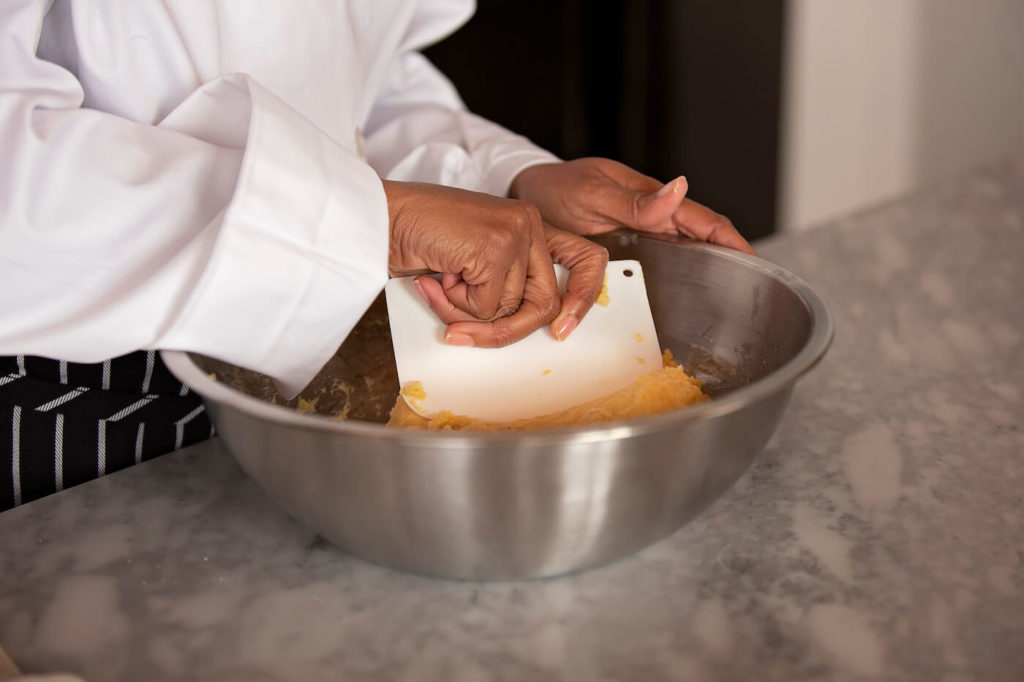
{"x":239,"y":179}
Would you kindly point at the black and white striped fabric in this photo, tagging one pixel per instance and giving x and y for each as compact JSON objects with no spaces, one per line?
{"x":64,"y":423}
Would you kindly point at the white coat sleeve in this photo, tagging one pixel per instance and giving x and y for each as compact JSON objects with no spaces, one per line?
{"x":233,"y":228}
{"x":420,"y":130}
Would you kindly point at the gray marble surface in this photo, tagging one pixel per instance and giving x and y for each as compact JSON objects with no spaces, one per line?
{"x":879,"y":536}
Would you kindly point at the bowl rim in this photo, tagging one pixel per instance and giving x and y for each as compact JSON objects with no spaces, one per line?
{"x":181,"y":364}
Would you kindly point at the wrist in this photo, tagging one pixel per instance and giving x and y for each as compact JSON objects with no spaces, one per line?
{"x":522,"y":185}
{"x":396,"y":194}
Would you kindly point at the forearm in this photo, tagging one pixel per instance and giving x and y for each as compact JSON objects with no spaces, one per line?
{"x":234,"y":229}
{"x":419,"y":130}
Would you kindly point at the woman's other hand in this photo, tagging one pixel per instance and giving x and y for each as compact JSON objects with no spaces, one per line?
{"x":594,"y":195}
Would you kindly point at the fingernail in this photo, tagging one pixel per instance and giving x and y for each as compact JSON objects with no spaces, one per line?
{"x":458,"y":339}
{"x":565,"y":327}
{"x":671,"y":187}
{"x":419,"y":290}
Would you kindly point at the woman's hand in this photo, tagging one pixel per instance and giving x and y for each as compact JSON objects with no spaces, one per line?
{"x":495,"y":256}
{"x":592,"y":195}
{"x":585,"y":261}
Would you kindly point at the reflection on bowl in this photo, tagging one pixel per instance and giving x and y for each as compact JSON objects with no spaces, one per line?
{"x":539,"y":503}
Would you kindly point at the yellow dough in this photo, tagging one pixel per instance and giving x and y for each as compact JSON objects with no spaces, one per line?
{"x":668,"y":388}
{"x":602,"y":296}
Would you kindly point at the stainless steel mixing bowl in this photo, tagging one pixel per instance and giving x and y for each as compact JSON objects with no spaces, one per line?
{"x":539,"y":503}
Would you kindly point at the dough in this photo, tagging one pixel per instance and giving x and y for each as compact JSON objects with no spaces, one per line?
{"x":668,"y":388}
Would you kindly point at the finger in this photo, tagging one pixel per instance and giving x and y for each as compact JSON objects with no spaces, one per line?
{"x":586,"y":262}
{"x":513,"y":290}
{"x":540,"y":304}
{"x":643,"y":206}
{"x":541,"y":286}
{"x":501,"y":332}
{"x":433,"y":294}
{"x":408,"y":272}
{"x":492,"y":284}
{"x":450,"y":279}
{"x":455,"y":290}
{"x":655,"y":211}
{"x":700,"y":222}
{"x":492,"y":293}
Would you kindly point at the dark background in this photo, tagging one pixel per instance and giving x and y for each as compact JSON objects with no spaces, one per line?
{"x":669,"y":87}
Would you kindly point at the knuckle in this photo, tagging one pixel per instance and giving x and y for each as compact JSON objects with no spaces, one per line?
{"x":527,"y":214}
{"x":594,"y":186}
{"x":487,"y":310}
{"x":722,"y":222}
{"x":481,"y":308}
{"x":635,"y":206}
{"x":502,"y":335}
{"x":506,"y":310}
{"x":548,"y":310}
{"x":484,"y":314}
{"x":504,"y":241}
{"x":545,"y":306}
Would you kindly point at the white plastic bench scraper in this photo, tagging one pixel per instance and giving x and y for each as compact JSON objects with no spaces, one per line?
{"x":613,"y":345}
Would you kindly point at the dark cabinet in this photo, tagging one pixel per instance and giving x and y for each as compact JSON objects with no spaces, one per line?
{"x":671,"y":87}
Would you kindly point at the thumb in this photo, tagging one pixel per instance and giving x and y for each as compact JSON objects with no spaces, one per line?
{"x":654,"y":211}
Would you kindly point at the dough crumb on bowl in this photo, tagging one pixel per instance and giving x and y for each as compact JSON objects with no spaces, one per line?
{"x":663,"y":390}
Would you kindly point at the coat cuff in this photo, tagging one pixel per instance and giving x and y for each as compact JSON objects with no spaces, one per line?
{"x":300,"y":255}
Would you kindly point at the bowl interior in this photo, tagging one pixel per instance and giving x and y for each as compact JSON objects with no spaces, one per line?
{"x":728,"y":319}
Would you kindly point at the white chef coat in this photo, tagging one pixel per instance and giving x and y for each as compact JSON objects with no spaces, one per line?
{"x":204,"y":175}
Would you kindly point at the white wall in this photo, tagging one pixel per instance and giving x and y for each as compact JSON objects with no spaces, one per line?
{"x":881,"y":96}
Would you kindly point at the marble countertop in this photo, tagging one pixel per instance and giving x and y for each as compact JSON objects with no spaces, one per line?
{"x":880,"y":535}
